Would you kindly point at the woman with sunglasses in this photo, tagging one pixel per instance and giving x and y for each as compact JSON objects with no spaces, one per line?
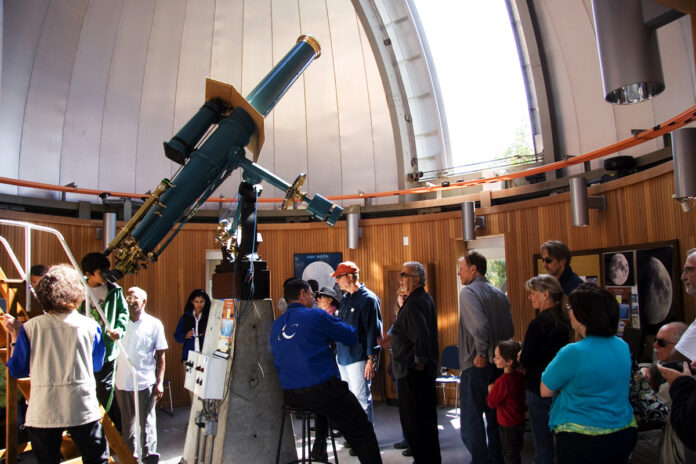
{"x":191,"y":327}
{"x":591,"y":415}
{"x":328,"y":300}
{"x":546,"y":334}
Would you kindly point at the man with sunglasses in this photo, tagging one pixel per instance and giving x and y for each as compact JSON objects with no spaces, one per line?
{"x":360,"y":308}
{"x":555,"y":257}
{"x":415,"y":360}
{"x":667,"y":338}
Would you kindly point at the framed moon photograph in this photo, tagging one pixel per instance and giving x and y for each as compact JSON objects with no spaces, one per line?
{"x":317,"y":266}
{"x":618,"y":269}
{"x":658,"y":286}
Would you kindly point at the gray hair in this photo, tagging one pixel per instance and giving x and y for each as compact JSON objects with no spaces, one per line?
{"x":546,"y":283}
{"x":419,"y":269}
{"x":60,"y":289}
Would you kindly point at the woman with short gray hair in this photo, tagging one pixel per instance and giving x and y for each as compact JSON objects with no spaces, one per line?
{"x":63,"y":394}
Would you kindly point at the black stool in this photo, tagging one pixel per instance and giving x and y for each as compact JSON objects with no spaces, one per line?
{"x":306,"y":417}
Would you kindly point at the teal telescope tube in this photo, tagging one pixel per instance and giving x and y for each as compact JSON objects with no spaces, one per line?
{"x":219,"y":154}
{"x":224,"y":149}
{"x":267,"y":93}
{"x":180,"y":147}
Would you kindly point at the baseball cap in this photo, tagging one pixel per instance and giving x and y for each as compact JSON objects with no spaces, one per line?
{"x":346,"y":267}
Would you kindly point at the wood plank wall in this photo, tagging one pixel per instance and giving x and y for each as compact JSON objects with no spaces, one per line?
{"x":639,"y":210}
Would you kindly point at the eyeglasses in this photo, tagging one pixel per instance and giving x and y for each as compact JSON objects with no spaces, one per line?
{"x":689,"y":269}
{"x":342,"y":275}
{"x":548,"y":260}
{"x":661,"y":342}
{"x":403,"y":274}
{"x":318,"y":296}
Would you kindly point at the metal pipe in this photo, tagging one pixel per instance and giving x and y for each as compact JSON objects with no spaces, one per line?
{"x":352,"y":230}
{"x":108,"y":229}
{"x":578,"y":201}
{"x":684,"y":155}
{"x":27,"y":266}
{"x":628,"y":52}
{"x":468,"y":220}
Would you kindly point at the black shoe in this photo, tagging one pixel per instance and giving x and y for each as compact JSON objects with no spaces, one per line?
{"x":403,"y":444}
{"x":407,"y":452}
{"x":318,"y":452}
{"x":346,"y":444}
{"x":352,"y":452}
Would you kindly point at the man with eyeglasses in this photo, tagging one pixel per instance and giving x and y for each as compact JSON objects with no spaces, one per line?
{"x":484,"y":320}
{"x":415,"y":359}
{"x":360,"y":308}
{"x":145,"y":346}
{"x":555,"y":257}
{"x":686,"y":347}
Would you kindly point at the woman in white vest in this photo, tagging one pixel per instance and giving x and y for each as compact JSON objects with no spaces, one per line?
{"x":61,"y":350}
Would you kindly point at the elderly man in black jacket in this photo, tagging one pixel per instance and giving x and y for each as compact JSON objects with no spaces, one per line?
{"x":415,"y":357}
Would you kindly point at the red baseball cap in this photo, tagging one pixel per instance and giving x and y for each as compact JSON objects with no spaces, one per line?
{"x":346,"y":267}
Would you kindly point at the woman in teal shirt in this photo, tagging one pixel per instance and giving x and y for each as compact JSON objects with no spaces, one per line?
{"x":588,"y":380}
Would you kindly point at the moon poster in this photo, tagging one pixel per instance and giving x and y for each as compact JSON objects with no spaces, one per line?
{"x":618,"y":269}
{"x":317,"y":266}
{"x":656,"y":287}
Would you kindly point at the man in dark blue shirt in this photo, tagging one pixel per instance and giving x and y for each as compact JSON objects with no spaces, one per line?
{"x":359,"y":308}
{"x":307,"y":371}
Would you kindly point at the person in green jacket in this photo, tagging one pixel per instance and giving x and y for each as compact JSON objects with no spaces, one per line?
{"x":114,"y":307}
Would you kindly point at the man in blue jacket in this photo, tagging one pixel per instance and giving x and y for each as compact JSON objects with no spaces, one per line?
{"x":300,"y":340}
{"x":359,"y":308}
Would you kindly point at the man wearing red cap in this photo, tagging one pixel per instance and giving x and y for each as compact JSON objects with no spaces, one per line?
{"x":359,"y":308}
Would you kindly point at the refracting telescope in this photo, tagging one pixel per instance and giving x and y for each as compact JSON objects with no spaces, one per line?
{"x":209,"y":147}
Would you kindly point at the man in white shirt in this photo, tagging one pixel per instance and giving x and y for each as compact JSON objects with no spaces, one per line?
{"x":686,"y":347}
{"x":145,"y":344}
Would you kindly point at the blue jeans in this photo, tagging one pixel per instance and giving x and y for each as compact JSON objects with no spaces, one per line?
{"x":473,"y":390}
{"x":539,"y":408}
{"x":354,"y":375}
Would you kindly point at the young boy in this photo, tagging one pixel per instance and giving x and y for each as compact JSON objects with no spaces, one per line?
{"x":113,"y":303}
{"x":506,"y":395}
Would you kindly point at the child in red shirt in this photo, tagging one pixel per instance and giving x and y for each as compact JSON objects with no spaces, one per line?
{"x":506,"y":395}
